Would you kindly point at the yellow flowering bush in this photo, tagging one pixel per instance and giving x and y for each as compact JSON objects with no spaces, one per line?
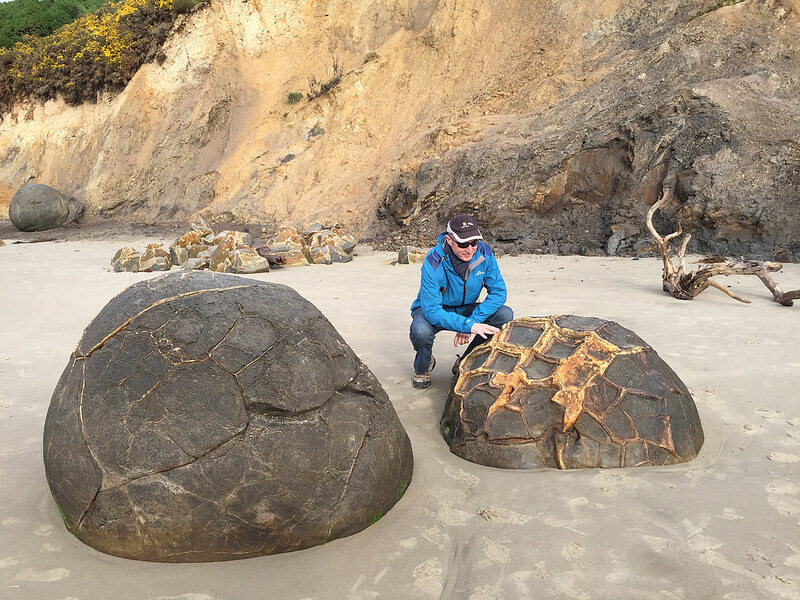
{"x":96,"y":52}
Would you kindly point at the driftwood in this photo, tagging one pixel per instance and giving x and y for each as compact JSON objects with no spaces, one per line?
{"x":273,"y":259}
{"x":34,"y":241}
{"x":686,"y":285}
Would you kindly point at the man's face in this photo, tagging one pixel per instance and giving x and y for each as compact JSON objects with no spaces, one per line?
{"x":462,"y":253}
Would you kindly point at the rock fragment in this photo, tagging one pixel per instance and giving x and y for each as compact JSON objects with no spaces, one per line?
{"x":410,"y":254}
{"x":190,"y":245}
{"x":155,"y":258}
{"x":126,"y":260}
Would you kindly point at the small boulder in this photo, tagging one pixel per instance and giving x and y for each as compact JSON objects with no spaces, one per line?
{"x":410,"y":254}
{"x":241,"y":238}
{"x":312,"y":229}
{"x":321,"y":255}
{"x":338,"y":255}
{"x":290,"y":256}
{"x":126,"y":260}
{"x":227,"y":257}
{"x":348,"y":244}
{"x":190,"y":245}
{"x":329,"y":254}
{"x":246,"y":261}
{"x":155,"y":258}
{"x":38,"y":207}
{"x":196,"y":264}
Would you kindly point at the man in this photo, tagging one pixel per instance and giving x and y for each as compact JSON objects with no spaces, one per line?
{"x":453,"y":274}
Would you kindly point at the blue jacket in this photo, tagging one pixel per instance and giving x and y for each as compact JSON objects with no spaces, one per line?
{"x":445,"y":298}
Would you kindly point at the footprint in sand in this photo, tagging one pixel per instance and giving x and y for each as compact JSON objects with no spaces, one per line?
{"x":783,"y":458}
{"x":573,"y":550}
{"x":189,"y":596}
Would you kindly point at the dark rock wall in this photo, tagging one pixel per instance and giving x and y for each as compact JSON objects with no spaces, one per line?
{"x":715,"y":88}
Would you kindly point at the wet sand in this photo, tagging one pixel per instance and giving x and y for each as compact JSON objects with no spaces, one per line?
{"x":726,"y":525}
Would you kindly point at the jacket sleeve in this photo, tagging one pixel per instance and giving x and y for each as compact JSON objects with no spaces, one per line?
{"x":496,"y":288}
{"x":430,"y":298}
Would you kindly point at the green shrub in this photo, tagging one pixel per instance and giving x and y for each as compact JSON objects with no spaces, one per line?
{"x":39,"y":17}
{"x":316,"y":89}
{"x":294,"y":97}
{"x":185,"y":6}
{"x":96,"y":52}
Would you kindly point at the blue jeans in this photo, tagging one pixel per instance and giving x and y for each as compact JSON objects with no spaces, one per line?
{"x":423,"y":333}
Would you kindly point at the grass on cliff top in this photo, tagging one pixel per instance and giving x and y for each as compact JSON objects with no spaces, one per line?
{"x":19,"y":18}
{"x":94,"y":53}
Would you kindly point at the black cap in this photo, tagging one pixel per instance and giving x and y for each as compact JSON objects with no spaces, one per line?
{"x":464,"y":228}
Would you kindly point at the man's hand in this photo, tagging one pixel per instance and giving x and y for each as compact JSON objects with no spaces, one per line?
{"x":461,"y":338}
{"x":483,"y":330}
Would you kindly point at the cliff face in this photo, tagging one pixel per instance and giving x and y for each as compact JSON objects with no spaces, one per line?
{"x":709,"y":97}
{"x":546,"y":118}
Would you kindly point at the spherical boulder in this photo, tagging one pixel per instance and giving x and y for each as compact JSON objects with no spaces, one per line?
{"x":569,"y":392}
{"x":206,"y":417}
{"x":37,"y":207}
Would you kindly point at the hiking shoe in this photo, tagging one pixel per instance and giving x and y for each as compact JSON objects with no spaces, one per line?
{"x":423,"y":380}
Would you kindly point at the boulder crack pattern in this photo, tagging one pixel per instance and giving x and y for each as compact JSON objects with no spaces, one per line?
{"x":156,"y":304}
{"x":346,"y":485}
{"x":218,"y":423}
{"x":593,"y":395}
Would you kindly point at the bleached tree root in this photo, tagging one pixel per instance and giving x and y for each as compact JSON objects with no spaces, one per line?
{"x":685,"y":285}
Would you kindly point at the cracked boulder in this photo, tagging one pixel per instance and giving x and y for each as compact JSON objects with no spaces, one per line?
{"x":190,"y":245}
{"x":126,"y":260}
{"x":569,"y":392}
{"x":410,"y":255}
{"x":155,"y":258}
{"x":208,"y":417}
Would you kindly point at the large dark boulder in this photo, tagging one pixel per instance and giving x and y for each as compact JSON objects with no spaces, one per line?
{"x":37,"y":207}
{"x":209,"y":417}
{"x":569,"y":392}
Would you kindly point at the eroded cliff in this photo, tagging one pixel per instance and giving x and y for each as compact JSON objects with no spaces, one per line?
{"x":548,"y":119}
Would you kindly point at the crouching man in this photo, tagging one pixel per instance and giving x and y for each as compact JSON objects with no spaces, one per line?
{"x":453,"y":274}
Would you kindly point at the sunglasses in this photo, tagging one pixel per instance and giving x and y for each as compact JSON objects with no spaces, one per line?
{"x":463,"y":245}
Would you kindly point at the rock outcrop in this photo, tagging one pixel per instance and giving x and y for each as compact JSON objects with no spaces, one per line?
{"x":210,"y":417}
{"x":705,"y":91}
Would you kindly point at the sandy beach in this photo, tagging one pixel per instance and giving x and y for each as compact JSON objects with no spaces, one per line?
{"x":726,"y":525}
